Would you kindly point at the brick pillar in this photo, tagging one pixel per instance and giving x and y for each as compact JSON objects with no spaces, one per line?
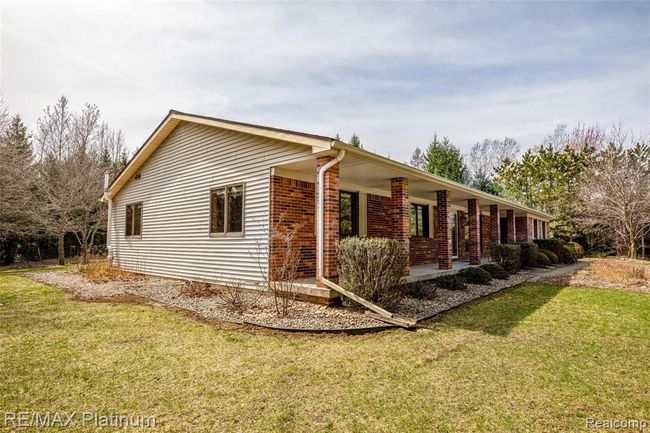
{"x":510,"y":225}
{"x":443,"y":232}
{"x":401,"y":214}
{"x":330,"y":218}
{"x":495,"y":225}
{"x":461,"y":217}
{"x":474,"y":231}
{"x":531,"y":230}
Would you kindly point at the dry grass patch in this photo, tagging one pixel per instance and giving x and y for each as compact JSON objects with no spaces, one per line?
{"x":102,"y":272}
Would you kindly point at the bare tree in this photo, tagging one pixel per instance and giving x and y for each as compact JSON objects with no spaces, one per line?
{"x":616,"y":192}
{"x":418,"y":159}
{"x":486,"y":157}
{"x":75,"y":149}
{"x":282,"y":255}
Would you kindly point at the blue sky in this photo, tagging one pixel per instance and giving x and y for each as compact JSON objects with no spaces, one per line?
{"x":391,"y":72}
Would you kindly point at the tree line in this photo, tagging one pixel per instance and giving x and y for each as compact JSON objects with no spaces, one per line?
{"x":51,"y":180}
{"x":595,"y":181}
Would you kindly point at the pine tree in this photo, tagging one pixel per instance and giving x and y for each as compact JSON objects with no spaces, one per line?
{"x":355,"y":141}
{"x":444,"y":159}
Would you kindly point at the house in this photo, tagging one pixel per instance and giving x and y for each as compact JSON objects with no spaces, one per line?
{"x":198,"y":199}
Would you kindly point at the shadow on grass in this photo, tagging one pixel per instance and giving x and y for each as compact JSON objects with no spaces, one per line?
{"x":498,"y":314}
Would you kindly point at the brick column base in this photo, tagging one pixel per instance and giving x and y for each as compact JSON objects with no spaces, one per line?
{"x":474,"y":232}
{"x":401,"y":213}
{"x":443,"y":232}
{"x":510,"y":224}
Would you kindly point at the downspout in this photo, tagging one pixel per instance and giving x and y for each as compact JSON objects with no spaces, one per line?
{"x":382,"y":314}
{"x":321,"y":211}
{"x":109,"y":218}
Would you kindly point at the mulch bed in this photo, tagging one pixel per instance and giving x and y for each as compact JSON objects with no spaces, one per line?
{"x":304,"y":316}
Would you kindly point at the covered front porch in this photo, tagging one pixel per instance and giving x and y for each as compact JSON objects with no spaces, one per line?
{"x":444,"y":226}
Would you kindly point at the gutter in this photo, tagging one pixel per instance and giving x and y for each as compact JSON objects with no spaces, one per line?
{"x":381,"y":314}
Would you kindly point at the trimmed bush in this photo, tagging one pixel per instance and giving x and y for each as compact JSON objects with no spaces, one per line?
{"x":449,"y":282}
{"x":372,"y":268}
{"x":564,"y":255}
{"x":551,"y":256}
{"x":570,"y":255}
{"x":580,"y":252}
{"x":421,"y":290}
{"x":475,"y":276}
{"x":529,"y":253}
{"x":496,"y":271}
{"x":508,"y":256}
{"x":543,"y":260}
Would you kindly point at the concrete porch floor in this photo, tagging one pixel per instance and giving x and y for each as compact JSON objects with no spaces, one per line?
{"x":307,"y":286}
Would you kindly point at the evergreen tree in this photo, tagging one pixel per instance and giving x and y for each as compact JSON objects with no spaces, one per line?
{"x":355,"y":141}
{"x":444,"y":159}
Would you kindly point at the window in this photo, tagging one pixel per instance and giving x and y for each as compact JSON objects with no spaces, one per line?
{"x":419,"y":220}
{"x":227,"y":210}
{"x":535,"y":229}
{"x":134,"y":219}
{"x":348,"y":214}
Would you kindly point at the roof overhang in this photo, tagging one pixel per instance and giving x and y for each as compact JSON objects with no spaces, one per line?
{"x":456,"y":188}
{"x":174,"y":118}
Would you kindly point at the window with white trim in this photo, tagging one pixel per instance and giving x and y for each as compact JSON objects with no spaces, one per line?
{"x":133,"y":220}
{"x":227,"y":210}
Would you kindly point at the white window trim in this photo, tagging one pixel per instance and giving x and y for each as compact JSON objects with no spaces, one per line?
{"x":132,"y":236}
{"x":226,"y":233}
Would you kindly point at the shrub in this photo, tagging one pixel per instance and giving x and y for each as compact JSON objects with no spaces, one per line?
{"x":564,"y":255}
{"x":372,"y":268}
{"x":569,"y":256}
{"x":508,"y":256}
{"x":475,"y":276}
{"x":197,"y":289}
{"x":543,"y":260}
{"x":580,"y":252}
{"x":496,"y":271}
{"x":449,"y":282}
{"x":421,"y":290}
{"x":529,"y":253}
{"x":551,"y":256}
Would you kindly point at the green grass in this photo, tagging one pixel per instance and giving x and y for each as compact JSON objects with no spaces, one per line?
{"x":535,"y":358}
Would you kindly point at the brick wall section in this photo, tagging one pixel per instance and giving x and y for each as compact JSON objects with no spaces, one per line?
{"x":510,"y":219}
{"x":379,"y":216}
{"x":293,"y":208}
{"x":485,"y":233}
{"x":495,"y":226}
{"x":443,"y":229}
{"x":474,"y":231}
{"x":463,"y":251}
{"x":422,"y":250}
{"x":330,"y":217}
{"x":524,"y":229}
{"x":401,"y":214}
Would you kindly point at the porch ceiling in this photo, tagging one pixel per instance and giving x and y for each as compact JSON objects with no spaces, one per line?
{"x":357,"y":169}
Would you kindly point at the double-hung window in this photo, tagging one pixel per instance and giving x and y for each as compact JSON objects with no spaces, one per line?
{"x":133,"y":219}
{"x":419,"y":220}
{"x":227,"y":210}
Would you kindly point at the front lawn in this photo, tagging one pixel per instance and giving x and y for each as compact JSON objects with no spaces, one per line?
{"x":535,"y":358}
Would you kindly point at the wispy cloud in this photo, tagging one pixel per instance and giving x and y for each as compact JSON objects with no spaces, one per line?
{"x":391,"y":72}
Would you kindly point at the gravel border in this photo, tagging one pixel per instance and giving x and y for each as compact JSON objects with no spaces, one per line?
{"x":304,"y":316}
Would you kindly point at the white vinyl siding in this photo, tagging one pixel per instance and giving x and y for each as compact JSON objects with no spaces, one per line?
{"x":174,"y":189}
